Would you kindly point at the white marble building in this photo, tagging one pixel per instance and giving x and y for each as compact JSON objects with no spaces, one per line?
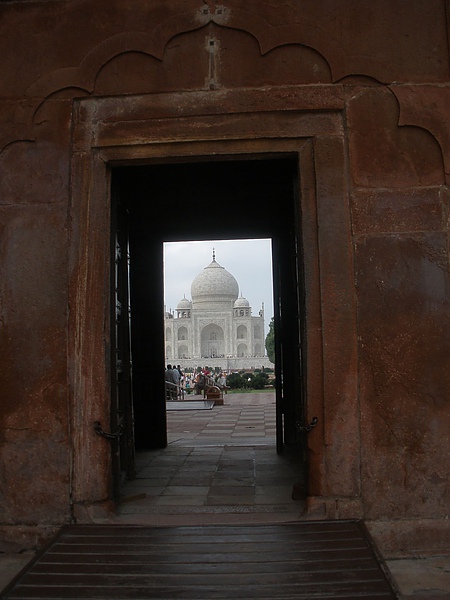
{"x":216,"y":328}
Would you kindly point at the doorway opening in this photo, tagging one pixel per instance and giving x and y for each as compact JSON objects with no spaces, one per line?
{"x":218,"y":310}
{"x":216,"y":319}
{"x":238,"y":198}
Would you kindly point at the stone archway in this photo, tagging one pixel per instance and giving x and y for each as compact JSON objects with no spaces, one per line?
{"x":182,"y":333}
{"x":111,"y":131}
{"x":242,"y":350}
{"x":212,"y":341}
{"x":183,"y":352}
{"x":241,"y":332}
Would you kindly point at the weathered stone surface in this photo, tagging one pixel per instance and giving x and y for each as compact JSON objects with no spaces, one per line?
{"x":29,"y":489}
{"x":34,"y":298}
{"x":341,"y":435}
{"x":89,"y":331}
{"x":398,"y":211}
{"x":314,"y":363}
{"x":385,"y":41}
{"x":27,"y":536}
{"x":229,"y":79}
{"x":33,"y":423}
{"x":213,"y":126}
{"x":33,"y":174}
{"x":410,"y":537}
{"x":375,"y":40}
{"x":427,"y":106}
{"x":138,"y":72}
{"x":326,"y":99}
{"x":372,"y":41}
{"x":59,"y":43}
{"x":403,"y":305}
{"x":292,"y":64}
{"x":384,"y":155}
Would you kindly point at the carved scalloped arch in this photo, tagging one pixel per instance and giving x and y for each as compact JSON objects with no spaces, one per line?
{"x":152,"y":43}
{"x":427,"y":107}
{"x":269,"y":37}
{"x":83,"y":77}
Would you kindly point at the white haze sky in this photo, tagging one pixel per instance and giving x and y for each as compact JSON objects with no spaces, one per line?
{"x":249,"y":261}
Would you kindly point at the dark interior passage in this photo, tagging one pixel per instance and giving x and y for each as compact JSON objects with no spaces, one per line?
{"x":220,"y":199}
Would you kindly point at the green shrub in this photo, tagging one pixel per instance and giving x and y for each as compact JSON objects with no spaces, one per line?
{"x":258,"y":382}
{"x":234,"y":381}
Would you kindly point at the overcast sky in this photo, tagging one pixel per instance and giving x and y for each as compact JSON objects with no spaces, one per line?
{"x":249,"y":261}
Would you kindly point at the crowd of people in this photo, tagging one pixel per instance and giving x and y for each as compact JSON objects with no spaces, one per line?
{"x":179,"y":383}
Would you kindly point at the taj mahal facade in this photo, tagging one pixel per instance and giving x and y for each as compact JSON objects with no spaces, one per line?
{"x":216,"y":328}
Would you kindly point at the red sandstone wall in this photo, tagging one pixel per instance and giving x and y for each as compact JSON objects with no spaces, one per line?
{"x":389,"y":60}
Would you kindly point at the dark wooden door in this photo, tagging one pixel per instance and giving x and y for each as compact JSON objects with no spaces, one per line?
{"x":147,"y":333}
{"x":122,"y":421}
{"x":287,"y":319}
{"x":276,"y":271}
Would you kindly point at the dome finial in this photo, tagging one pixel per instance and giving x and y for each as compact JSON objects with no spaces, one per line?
{"x":214,"y":255}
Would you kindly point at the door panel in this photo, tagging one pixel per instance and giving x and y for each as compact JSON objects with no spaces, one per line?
{"x":276,"y":273}
{"x":147,"y":335}
{"x":287,"y":309}
{"x":122,"y":422}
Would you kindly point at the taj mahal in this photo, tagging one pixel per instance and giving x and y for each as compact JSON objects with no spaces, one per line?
{"x":216,"y":328}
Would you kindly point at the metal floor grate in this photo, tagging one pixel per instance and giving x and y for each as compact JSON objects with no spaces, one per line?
{"x":302,"y":560}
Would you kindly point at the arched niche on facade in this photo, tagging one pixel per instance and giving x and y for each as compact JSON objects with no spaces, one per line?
{"x":212,"y":340}
{"x":182,"y":333}
{"x":242,"y":332}
{"x":183,"y":352}
{"x":242,"y":350}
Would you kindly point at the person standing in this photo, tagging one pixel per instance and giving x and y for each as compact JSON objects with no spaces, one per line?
{"x":222,"y":382}
{"x":177,"y":381}
{"x":172,"y":378}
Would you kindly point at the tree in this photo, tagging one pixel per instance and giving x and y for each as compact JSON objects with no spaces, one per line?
{"x":270,"y":341}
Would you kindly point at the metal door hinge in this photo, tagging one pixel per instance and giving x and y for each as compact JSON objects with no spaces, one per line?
{"x":307,"y":428}
{"x":109,"y":435}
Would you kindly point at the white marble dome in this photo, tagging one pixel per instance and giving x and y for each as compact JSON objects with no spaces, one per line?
{"x":242,"y":303}
{"x":184,"y":304}
{"x":214,"y":285}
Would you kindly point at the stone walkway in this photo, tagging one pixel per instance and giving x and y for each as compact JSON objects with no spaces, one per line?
{"x":243,"y":418}
{"x":219,"y":464}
